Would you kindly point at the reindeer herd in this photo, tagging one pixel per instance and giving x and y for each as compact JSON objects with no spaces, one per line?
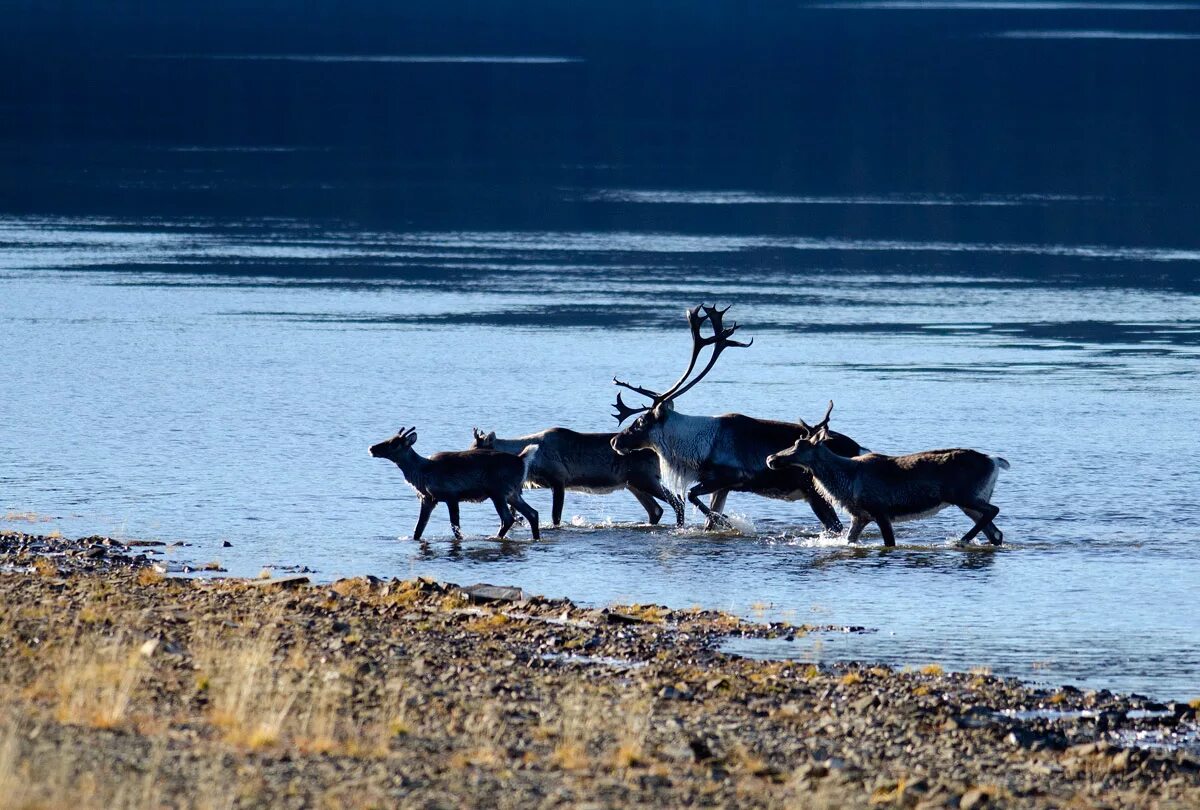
{"x":664,"y":454}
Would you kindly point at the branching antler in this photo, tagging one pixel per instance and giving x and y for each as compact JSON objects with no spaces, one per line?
{"x":637,"y":389}
{"x":720,"y":340}
{"x":624,"y":411}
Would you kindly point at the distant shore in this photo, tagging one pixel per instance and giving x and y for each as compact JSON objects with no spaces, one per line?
{"x":128,"y":688}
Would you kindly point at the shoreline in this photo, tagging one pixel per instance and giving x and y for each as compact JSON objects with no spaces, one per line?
{"x":128,"y":688}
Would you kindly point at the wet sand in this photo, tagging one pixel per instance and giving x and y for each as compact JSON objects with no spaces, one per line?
{"x":127,"y":688}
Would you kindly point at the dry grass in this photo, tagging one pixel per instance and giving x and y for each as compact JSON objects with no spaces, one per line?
{"x":25,"y":517}
{"x":149,"y":576}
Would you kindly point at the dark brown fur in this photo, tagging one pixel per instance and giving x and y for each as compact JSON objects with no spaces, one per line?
{"x":886,"y":489}
{"x":567,"y":459}
{"x":471,"y":475}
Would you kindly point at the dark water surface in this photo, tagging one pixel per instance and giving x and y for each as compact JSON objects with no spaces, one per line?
{"x":236,"y":251}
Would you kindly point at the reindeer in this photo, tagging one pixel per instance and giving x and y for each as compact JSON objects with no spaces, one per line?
{"x":472,"y":475}
{"x":887,"y":489}
{"x":720,"y":454}
{"x":586,"y":462}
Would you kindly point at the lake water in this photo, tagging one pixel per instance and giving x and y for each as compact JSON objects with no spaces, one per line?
{"x":209,"y":309}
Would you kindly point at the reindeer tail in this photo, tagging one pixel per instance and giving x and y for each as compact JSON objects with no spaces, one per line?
{"x":1001,"y":463}
{"x":528,"y":455}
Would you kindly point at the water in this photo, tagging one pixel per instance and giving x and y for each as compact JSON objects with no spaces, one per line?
{"x":209,"y":309}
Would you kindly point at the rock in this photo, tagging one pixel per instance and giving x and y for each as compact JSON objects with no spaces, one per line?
{"x":483,"y":593}
{"x":613,"y":617}
{"x":282,"y":582}
{"x":226,"y":544}
{"x":1121,"y":761}
{"x":972,"y":798}
{"x":674,"y":693}
{"x":1087,"y":749}
{"x":864,"y":703}
{"x":700,"y":749}
{"x":148,"y":649}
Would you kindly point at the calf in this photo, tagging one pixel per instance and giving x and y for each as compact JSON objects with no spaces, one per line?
{"x":472,"y":475}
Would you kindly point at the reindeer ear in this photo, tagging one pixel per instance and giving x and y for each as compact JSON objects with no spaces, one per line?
{"x":804,"y":425}
{"x":411,"y":438}
{"x":490,"y":437}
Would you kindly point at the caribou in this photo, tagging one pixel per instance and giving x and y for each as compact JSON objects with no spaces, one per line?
{"x":471,"y":475}
{"x":586,"y":462}
{"x":888,"y":489}
{"x":716,"y":455}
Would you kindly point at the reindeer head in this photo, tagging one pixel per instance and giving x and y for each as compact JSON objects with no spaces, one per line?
{"x":642,"y":432}
{"x":804,"y":451}
{"x":483,"y":441}
{"x":397,"y":446}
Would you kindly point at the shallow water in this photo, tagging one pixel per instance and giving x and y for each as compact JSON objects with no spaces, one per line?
{"x":148,"y":400}
{"x":969,"y":223}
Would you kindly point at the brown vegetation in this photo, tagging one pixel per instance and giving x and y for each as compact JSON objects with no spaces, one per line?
{"x":122,"y":689}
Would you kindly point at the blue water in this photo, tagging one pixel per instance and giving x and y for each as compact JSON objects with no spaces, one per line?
{"x":236,"y":251}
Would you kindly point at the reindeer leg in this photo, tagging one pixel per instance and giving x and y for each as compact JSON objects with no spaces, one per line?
{"x":656,"y":489}
{"x":452,"y":508}
{"x":885,"y":528}
{"x":994,"y":535}
{"x":987,"y":513}
{"x":654,"y":512}
{"x":427,"y":505}
{"x":717,"y":501}
{"x":506,"y":518}
{"x":825,"y":513}
{"x":676,"y":504}
{"x":557,"y":505}
{"x":529,"y":512}
{"x":711,"y":519}
{"x":857,"y":524}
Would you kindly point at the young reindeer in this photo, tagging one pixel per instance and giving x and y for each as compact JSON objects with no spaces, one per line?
{"x":720,"y":454}
{"x":472,"y":475}
{"x":888,"y":489}
{"x":586,"y":462}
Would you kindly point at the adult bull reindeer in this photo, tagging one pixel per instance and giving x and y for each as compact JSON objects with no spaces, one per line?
{"x":716,"y":455}
{"x":887,"y":489}
{"x":471,"y":475}
{"x":586,"y":462}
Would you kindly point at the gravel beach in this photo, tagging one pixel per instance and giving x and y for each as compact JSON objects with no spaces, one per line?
{"x":127,"y":688}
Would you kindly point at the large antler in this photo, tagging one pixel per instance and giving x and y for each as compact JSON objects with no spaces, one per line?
{"x":719,"y":340}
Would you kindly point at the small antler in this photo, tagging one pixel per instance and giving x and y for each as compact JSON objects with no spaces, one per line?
{"x":824,"y":423}
{"x":477,"y":433}
{"x":820,"y":431}
{"x":624,"y":411}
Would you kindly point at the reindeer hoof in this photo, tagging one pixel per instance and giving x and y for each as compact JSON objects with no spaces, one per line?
{"x":715,"y":522}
